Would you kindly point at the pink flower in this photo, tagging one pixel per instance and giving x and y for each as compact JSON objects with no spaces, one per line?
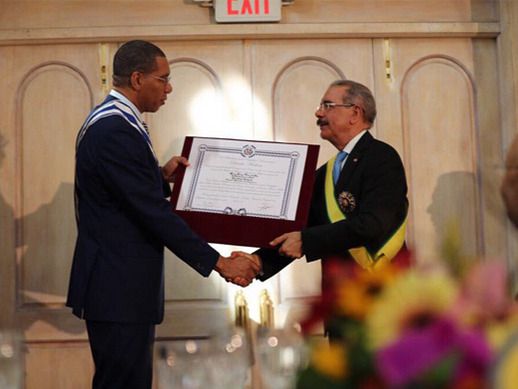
{"x":485,"y":291}
{"x":418,"y":352}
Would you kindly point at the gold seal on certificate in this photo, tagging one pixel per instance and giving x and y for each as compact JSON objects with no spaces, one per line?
{"x":238,"y":180}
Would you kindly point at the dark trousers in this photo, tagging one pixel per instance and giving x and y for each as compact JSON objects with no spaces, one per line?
{"x":122,"y":354}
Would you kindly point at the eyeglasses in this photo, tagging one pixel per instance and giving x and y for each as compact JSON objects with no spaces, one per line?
{"x":327,"y":105}
{"x":165,"y":79}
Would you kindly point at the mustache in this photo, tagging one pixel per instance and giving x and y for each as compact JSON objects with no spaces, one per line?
{"x":322,"y":122}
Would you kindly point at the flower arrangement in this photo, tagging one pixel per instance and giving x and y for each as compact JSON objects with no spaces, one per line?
{"x":407,"y":326}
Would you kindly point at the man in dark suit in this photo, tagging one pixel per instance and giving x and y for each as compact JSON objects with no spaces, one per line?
{"x":124,"y":221}
{"x":359,"y":204}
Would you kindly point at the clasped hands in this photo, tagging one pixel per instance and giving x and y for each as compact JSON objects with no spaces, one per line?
{"x":241,"y":268}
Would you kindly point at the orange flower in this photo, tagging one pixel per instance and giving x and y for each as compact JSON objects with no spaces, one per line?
{"x":356,"y":296}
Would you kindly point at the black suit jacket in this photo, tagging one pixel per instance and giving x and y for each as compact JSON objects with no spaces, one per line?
{"x":124,"y":222}
{"x":374,"y":175}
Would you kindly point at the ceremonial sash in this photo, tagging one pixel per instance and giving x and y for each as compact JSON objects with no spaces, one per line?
{"x":367,"y":258}
{"x":109,"y":108}
{"x":119,"y":108}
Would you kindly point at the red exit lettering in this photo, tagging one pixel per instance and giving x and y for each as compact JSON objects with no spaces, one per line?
{"x":247,"y":9}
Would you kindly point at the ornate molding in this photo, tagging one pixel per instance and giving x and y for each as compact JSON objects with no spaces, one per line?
{"x":249,"y":31}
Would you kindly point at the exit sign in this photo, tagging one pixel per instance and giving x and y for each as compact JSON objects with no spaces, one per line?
{"x":245,"y":11}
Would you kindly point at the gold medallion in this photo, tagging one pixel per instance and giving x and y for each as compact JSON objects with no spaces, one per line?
{"x":347,"y":202}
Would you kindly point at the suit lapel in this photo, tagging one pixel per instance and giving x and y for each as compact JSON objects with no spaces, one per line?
{"x":353,"y":161}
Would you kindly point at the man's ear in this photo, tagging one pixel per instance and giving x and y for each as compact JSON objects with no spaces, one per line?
{"x":358,"y":115}
{"x":136,"y":80}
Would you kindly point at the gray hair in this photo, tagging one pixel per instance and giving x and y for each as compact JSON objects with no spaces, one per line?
{"x":360,"y":95}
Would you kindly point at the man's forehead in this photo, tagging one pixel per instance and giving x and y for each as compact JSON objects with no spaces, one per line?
{"x":162,"y":65}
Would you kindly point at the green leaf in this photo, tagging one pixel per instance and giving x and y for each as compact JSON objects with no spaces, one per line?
{"x":440,"y":374}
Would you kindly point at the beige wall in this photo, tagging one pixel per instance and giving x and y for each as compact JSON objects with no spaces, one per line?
{"x":448,"y":108}
{"x":23,"y":21}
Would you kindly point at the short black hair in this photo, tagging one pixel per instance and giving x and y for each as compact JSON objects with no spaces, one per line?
{"x":134,"y":56}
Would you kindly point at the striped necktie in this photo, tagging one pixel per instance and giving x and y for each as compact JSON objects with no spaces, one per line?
{"x":337,"y":167}
{"x":145,"y":127}
{"x":148,"y":139}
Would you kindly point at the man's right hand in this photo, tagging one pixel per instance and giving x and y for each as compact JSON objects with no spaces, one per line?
{"x":251,"y":257}
{"x":238,"y":269}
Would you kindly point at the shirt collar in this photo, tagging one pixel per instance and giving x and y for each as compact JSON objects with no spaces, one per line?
{"x":350,"y":146}
{"x":126,"y":101}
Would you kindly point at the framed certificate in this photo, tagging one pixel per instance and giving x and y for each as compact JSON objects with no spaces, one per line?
{"x":244,"y":192}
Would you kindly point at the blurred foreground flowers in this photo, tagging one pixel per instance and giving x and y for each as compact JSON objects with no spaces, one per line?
{"x":406,"y":326}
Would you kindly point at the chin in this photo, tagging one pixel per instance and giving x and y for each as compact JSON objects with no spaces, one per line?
{"x":323,"y":135}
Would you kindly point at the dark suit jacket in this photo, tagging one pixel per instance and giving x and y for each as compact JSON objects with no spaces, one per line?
{"x":374,"y":175}
{"x":124,"y":222}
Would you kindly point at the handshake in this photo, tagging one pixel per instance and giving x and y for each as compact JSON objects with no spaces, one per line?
{"x":240,"y":268}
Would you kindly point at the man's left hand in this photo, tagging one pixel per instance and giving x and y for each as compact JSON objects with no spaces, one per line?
{"x":169,"y":169}
{"x":291,"y":244}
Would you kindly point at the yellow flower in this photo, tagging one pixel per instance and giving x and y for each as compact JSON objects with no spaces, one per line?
{"x":356,"y":296}
{"x":499,"y":331}
{"x":412,"y":301}
{"x":505,"y":374}
{"x":330,"y":359}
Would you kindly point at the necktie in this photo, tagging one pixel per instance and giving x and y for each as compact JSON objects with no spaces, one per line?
{"x":337,"y":167}
{"x":148,"y":139}
{"x":145,"y":127}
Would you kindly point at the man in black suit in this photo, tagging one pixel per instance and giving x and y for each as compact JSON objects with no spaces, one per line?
{"x":124,"y":221}
{"x":359,"y":204}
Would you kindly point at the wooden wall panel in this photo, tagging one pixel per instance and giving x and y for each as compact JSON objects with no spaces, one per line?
{"x":456,"y":105}
{"x":440,"y":132}
{"x":7,"y":175}
{"x":489,"y":114}
{"x":47,"y":95}
{"x":46,"y":138}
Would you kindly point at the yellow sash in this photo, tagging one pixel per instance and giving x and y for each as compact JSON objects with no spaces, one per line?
{"x":361,"y":255}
